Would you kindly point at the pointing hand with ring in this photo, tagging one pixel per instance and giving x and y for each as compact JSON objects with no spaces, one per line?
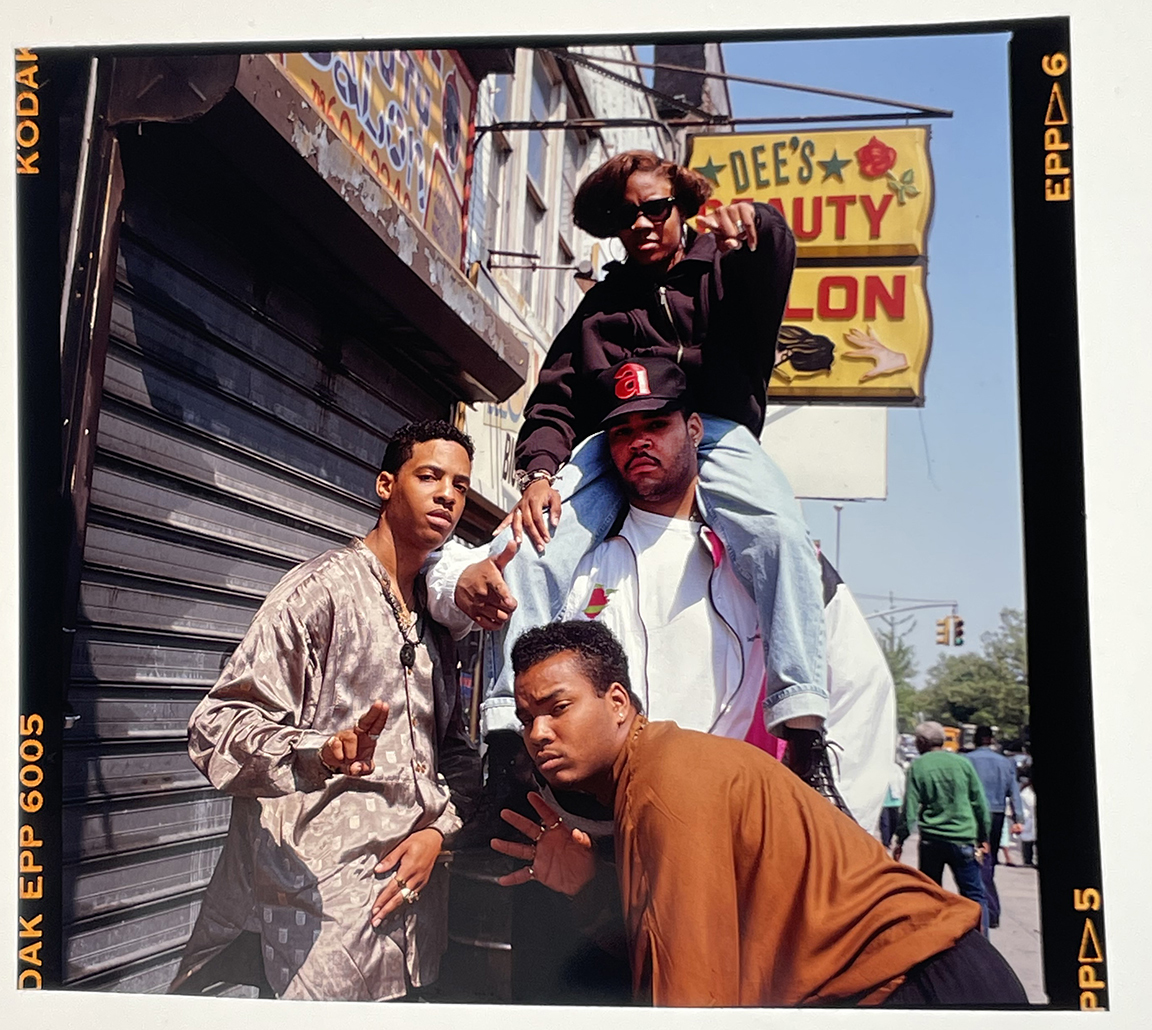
{"x":733,"y":225}
{"x":558,"y":857}
{"x":350,"y":751}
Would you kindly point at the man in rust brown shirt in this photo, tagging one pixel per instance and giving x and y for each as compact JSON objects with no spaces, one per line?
{"x":740,"y":885}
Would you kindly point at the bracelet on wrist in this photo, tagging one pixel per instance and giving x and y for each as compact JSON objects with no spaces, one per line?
{"x":524,"y":480}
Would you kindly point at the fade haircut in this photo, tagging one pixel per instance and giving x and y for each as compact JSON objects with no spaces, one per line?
{"x":598,"y":653}
{"x":400,"y":447}
{"x":600,"y":196}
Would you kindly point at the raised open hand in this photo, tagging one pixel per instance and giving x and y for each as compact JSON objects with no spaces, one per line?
{"x":558,"y":857}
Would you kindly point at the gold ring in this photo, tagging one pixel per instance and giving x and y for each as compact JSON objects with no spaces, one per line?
{"x":559,"y":822}
{"x":543,"y":830}
{"x":531,"y":873}
{"x":400,"y":882}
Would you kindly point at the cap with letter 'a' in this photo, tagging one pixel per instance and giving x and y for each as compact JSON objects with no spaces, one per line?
{"x":641,"y":384}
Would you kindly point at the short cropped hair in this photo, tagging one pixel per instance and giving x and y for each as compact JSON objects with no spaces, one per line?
{"x":601,"y":195}
{"x":400,"y":447}
{"x":598,"y":653}
{"x":928,"y":736}
{"x":983,"y":736}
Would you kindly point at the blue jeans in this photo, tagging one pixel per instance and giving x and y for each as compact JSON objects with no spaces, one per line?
{"x":748,"y":502}
{"x":965,"y":866}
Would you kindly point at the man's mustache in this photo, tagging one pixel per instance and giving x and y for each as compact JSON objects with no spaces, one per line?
{"x":642,"y":456}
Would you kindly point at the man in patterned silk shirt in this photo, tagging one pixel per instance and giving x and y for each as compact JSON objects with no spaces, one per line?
{"x":336,"y":728}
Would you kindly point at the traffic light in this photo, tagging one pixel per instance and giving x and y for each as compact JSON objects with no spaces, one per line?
{"x":942,"y":630}
{"x":957,"y":630}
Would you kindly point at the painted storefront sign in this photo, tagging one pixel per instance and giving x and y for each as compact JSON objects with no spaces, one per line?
{"x":854,"y":333}
{"x":407,"y":115}
{"x":845,"y":193}
{"x":861,"y":331}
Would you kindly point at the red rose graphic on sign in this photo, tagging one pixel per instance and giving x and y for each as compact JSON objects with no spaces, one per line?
{"x":875,"y":158}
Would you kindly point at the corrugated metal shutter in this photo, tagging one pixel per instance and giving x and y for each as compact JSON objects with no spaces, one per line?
{"x":234,"y":441}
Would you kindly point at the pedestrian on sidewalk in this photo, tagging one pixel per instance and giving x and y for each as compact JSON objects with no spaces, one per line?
{"x":893,"y":802}
{"x":997,"y":773}
{"x":945,"y":799}
{"x":1028,"y":820}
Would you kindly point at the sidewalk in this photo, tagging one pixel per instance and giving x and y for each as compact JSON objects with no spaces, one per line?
{"x":1018,"y":936}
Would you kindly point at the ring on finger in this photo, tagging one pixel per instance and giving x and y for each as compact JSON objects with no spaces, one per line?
{"x":543,"y":830}
{"x":740,"y":226}
{"x":400,"y":882}
{"x":559,"y":822}
{"x":531,"y":873}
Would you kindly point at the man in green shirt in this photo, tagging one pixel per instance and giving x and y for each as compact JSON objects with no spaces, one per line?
{"x":945,"y":798}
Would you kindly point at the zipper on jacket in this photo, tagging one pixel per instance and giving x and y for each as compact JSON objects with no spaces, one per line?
{"x":731,"y":698}
{"x":663,"y":292}
{"x":640,"y":620}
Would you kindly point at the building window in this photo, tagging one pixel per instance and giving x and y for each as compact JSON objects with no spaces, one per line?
{"x":541,"y":106}
{"x":501,"y":97}
{"x":532,"y":281}
{"x":574,"y":153}
{"x":564,"y":287}
{"x":499,"y":196}
{"x":489,"y":213}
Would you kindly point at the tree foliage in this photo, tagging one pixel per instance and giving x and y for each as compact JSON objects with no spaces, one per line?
{"x":988,"y":688}
{"x":901,"y":659}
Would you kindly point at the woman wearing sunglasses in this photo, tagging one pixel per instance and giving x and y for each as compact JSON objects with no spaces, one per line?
{"x":712,"y":301}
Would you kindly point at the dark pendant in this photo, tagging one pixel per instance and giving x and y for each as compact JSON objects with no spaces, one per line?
{"x":408,"y":654}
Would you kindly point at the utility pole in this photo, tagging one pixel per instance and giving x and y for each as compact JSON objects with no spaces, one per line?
{"x":891,"y":623}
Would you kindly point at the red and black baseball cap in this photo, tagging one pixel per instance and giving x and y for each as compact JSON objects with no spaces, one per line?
{"x":642,"y":384}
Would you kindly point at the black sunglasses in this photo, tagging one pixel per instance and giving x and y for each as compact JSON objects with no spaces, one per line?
{"x":655,"y":210}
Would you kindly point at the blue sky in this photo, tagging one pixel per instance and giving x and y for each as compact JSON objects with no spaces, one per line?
{"x":951,"y":525}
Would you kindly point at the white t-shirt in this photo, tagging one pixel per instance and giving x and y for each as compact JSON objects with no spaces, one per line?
{"x":689,"y":629}
{"x":691,"y":659}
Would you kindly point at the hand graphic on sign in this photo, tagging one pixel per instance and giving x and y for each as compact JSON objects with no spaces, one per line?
{"x":871,"y":349}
